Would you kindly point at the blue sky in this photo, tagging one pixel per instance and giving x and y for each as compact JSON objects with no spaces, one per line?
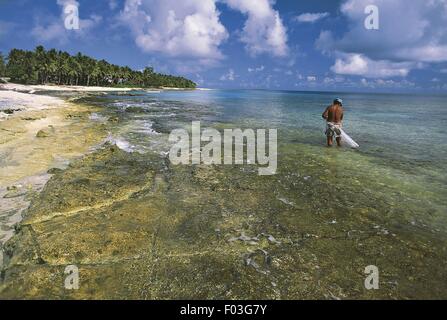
{"x":288,"y":45}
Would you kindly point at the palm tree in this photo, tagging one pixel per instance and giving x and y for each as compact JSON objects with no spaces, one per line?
{"x":74,"y":70}
{"x":52,"y":65}
{"x":64,"y":67}
{"x":96,"y":72}
{"x":80,"y":68}
{"x":40,"y":66}
{"x":148,"y":73}
{"x":41,"y":63}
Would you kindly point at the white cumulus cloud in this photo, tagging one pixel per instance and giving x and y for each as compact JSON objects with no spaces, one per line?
{"x":311,"y":17}
{"x":357,"y":64}
{"x":176,"y":28}
{"x":229,"y":76}
{"x":258,"y":69}
{"x":193,"y":29}
{"x":390,"y":84}
{"x":410,"y":35}
{"x":264,"y":31}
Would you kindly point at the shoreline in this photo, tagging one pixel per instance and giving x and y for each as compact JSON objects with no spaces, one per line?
{"x":64,"y":88}
{"x":36,"y":88}
{"x":36,"y":136}
{"x":12,"y":102}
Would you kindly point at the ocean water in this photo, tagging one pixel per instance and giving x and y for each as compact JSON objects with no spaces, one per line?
{"x":332,"y":211}
{"x":403,"y":132}
{"x":402,"y":137}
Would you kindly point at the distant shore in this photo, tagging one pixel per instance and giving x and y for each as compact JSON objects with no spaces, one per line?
{"x":49,"y":87}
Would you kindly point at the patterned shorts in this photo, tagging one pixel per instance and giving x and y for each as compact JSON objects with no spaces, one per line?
{"x":333,"y":130}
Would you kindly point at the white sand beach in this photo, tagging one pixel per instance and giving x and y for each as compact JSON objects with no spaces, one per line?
{"x":62,"y":88}
{"x":18,"y":99}
{"x":34,"y":88}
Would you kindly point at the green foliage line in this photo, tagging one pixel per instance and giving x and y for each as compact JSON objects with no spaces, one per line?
{"x":58,"y":67}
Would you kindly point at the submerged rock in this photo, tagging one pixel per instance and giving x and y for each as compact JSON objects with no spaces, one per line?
{"x":255,"y":240}
{"x":15,"y":192}
{"x":32,"y":118}
{"x":135,"y":110}
{"x":285,"y":201}
{"x":46,"y":132}
{"x":10,"y":111}
{"x":74,"y":116}
{"x":244,"y":238}
{"x":114,"y":119}
{"x":259,"y":259}
{"x":271,"y":239}
{"x":54,"y":170}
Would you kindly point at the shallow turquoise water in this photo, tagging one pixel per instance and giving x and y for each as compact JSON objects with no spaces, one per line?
{"x":385,"y":125}
{"x":401,"y":136}
{"x":397,"y":127}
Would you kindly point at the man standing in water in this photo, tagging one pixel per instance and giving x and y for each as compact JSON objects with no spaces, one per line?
{"x":334,"y":117}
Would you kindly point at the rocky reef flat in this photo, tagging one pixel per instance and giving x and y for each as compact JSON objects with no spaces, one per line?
{"x":139,"y":228}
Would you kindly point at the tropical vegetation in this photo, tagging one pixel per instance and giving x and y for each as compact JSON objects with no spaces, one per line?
{"x":2,"y":65}
{"x":57,"y":67}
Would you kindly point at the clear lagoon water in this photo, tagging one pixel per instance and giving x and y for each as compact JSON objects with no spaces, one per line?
{"x":384,"y":204}
{"x":387,"y":126}
{"x":402,"y":137}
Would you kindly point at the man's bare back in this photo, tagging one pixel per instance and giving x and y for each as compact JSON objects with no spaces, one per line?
{"x":334,"y":114}
{"x":334,"y":117}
